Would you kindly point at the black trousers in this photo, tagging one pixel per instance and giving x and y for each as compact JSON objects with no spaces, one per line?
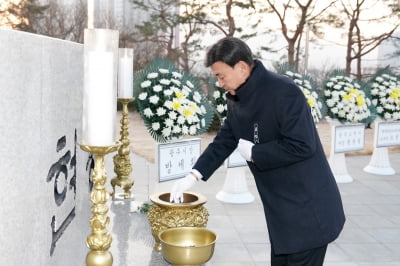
{"x":311,"y":257}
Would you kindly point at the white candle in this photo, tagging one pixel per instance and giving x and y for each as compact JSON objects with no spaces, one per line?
{"x":99,"y":100}
{"x":90,"y":15}
{"x":125,"y":73}
{"x":100,"y":87}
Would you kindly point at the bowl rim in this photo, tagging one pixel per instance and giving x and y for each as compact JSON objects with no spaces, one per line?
{"x":201,"y":200}
{"x":188,"y":228}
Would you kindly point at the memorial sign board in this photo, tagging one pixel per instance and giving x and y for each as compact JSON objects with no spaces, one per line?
{"x":388,"y":134}
{"x":349,"y":138}
{"x":176,"y":159}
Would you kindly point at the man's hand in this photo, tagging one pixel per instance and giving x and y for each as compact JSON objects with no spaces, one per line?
{"x":244,"y":148}
{"x":181,"y":186}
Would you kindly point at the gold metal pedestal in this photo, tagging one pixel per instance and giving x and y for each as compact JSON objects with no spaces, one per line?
{"x":163,"y":214}
{"x":122,"y":161}
{"x":99,"y":240}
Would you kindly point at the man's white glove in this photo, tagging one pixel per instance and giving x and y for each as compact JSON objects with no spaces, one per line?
{"x":181,"y":186}
{"x":244,"y":148}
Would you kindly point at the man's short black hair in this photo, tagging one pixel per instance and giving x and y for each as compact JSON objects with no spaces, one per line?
{"x":229,"y":50}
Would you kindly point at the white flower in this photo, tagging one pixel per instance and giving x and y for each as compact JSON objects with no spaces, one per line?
{"x":165,"y":81}
{"x":168,"y":104}
{"x":163,"y":71}
{"x":185,"y":130}
{"x":145,"y":84}
{"x":192,"y":130}
{"x":142,"y":96}
{"x":157,"y":88}
{"x":181,"y":119}
{"x":189,"y":84}
{"x":152,"y":75}
{"x":166,"y":132}
{"x":161,"y":111}
{"x":168,"y":92}
{"x":197,"y":97}
{"x":176,"y":129}
{"x":216,"y":94}
{"x":169,"y":122}
{"x":155,"y":126}
{"x":173,"y":115}
{"x":176,"y":82}
{"x":220,"y":108}
{"x":154,"y":99}
{"x":148,"y":112}
{"x":177,"y":75}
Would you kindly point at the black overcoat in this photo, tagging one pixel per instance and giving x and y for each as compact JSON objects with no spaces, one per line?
{"x":301,"y":200}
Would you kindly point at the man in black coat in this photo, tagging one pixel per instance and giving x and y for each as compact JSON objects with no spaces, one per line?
{"x":270,"y":123}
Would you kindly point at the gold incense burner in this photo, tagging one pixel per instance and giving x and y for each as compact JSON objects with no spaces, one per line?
{"x":188,"y":246}
{"x":163,"y":214}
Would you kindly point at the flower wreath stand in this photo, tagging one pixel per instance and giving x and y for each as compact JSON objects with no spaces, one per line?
{"x":235,"y":189}
{"x":385,"y":93}
{"x":379,"y":163}
{"x":347,"y":104}
{"x":337,"y":161}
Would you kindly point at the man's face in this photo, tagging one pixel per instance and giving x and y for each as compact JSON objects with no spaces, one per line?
{"x":230,"y":78}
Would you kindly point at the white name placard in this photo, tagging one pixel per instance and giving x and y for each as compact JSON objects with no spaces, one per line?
{"x":349,"y":138}
{"x":176,"y":159}
{"x":236,"y":159}
{"x":388,"y":134}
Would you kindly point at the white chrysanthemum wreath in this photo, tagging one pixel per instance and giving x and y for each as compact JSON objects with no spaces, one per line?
{"x":385,"y":95}
{"x":345,"y":100}
{"x":170,"y":102}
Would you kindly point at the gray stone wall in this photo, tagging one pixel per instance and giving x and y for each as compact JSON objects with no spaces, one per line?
{"x":44,"y":182}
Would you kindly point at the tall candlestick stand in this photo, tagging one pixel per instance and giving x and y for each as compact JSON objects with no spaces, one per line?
{"x":99,"y":240}
{"x":122,"y":161}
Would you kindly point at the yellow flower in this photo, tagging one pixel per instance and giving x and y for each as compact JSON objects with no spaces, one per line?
{"x":353,"y":91}
{"x":360,"y":100}
{"x":311,"y":101}
{"x":347,"y":97}
{"x":395,"y":93}
{"x":179,"y":95}
{"x":176,"y":105}
{"x":187,"y":112}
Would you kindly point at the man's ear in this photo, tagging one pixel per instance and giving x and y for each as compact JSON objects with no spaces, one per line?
{"x":243,"y":67}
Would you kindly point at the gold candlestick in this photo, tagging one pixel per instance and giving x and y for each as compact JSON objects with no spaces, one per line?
{"x":122,"y":161}
{"x":99,"y":240}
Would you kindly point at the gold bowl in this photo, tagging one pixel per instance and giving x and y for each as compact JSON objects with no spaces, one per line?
{"x":164,"y":214}
{"x":187,"y":246}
